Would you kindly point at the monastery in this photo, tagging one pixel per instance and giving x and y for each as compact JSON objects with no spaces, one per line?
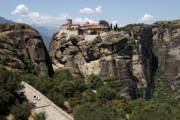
{"x":85,"y":29}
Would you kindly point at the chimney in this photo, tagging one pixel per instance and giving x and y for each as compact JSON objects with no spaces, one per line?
{"x":69,"y":21}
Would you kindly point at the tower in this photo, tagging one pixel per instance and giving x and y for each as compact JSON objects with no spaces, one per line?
{"x":69,"y":21}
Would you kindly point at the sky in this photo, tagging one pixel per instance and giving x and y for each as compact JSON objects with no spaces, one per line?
{"x":122,"y":12}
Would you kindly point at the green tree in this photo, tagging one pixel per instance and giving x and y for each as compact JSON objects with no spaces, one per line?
{"x":89,"y":96}
{"x":152,"y":112}
{"x":67,"y":88}
{"x":10,"y":87}
{"x":62,"y":75}
{"x":106,"y":93}
{"x":40,"y":116}
{"x":94,"y":82}
{"x":21,"y":111}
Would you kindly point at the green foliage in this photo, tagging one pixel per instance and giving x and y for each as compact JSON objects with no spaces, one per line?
{"x":40,"y":116}
{"x":79,"y":85}
{"x":94,"y":82}
{"x":21,"y":111}
{"x":158,"y":111}
{"x":95,"y":111}
{"x":59,"y":76}
{"x":67,"y":88}
{"x":89,"y":96}
{"x":105,"y":93}
{"x":30,"y":68}
{"x":10,"y":85}
{"x":116,"y":27}
{"x":162,"y":86}
{"x":104,"y":23}
{"x":99,"y":99}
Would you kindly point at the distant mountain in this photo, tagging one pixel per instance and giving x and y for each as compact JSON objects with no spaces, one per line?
{"x":46,"y":31}
{"x":3,"y":20}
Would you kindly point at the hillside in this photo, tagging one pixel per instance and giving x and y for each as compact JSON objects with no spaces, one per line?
{"x":3,"y":20}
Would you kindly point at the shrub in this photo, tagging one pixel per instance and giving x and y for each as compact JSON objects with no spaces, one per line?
{"x":67,"y":88}
{"x":10,"y":85}
{"x":94,"y":82}
{"x":152,"y":112}
{"x":62,"y":75}
{"x":89,"y":96}
{"x":56,"y":97}
{"x":105,"y":93}
{"x":94,"y":111}
{"x":79,"y":84}
{"x":21,"y":111}
{"x":40,"y":116}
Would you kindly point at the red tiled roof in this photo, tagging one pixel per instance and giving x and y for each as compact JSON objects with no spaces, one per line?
{"x":92,"y":26}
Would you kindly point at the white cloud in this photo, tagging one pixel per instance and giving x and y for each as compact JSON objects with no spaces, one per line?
{"x":114,"y":22}
{"x":146,"y":18}
{"x":24,"y":12}
{"x":90,"y":10}
{"x":99,"y":9}
{"x":21,"y":10}
{"x":83,"y":20}
{"x":86,"y":10}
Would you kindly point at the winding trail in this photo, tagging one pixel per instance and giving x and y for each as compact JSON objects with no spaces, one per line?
{"x":52,"y":111}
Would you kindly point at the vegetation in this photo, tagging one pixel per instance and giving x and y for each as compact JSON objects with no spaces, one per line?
{"x":11,"y":99}
{"x":104,"y":23}
{"x":40,"y":116}
{"x":91,"y":99}
{"x":21,"y":111}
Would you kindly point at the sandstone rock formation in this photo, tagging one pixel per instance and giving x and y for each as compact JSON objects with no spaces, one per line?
{"x":111,"y":53}
{"x":166,"y":46}
{"x":22,"y":49}
{"x":132,"y":56}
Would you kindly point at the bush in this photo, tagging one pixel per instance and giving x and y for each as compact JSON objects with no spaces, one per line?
{"x":94,"y":82}
{"x":89,"y":96}
{"x":89,"y":111}
{"x":10,"y":85}
{"x":79,"y":85}
{"x":40,"y":116}
{"x":94,"y":111}
{"x":105,"y":93}
{"x":67,"y":88}
{"x":56,"y":97}
{"x":62,"y":75}
{"x":152,"y":112}
{"x":21,"y":111}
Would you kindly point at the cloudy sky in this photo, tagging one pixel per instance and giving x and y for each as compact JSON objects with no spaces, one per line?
{"x":122,"y":12}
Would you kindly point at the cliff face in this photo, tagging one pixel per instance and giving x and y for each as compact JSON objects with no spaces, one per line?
{"x":111,"y":53}
{"x":22,"y":49}
{"x":132,"y":56}
{"x":166,"y":42}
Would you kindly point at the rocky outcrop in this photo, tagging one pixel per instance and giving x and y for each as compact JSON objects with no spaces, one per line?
{"x":111,"y":53}
{"x":166,"y":42}
{"x":22,"y":49}
{"x":132,"y":56}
